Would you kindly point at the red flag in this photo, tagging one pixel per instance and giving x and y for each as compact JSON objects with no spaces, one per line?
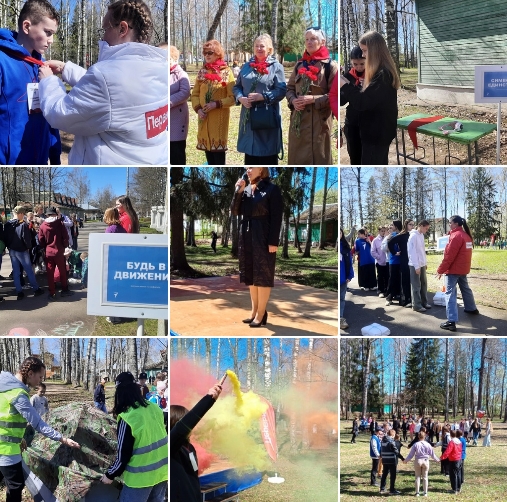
{"x":268,"y":430}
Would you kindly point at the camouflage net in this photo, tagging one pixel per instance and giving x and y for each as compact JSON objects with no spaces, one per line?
{"x":70,"y":473}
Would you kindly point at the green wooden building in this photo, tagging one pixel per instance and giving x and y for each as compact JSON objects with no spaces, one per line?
{"x":453,"y":37}
{"x":330,"y":224}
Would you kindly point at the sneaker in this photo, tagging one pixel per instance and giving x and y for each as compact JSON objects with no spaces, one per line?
{"x":52,"y":297}
{"x":67,"y":293}
{"x":396,"y":492}
{"x":74,"y":281}
{"x":21,"y":295}
{"x":38,"y":292}
{"x":382,"y":295}
{"x":474,"y":312}
{"x":388,"y":302}
{"x":383,"y":490}
{"x":362,"y":289}
{"x":450,"y":326}
{"x":343,"y":323}
{"x":26,"y":286}
{"x":427,"y":306}
{"x":422,"y":309}
{"x":417,"y":494}
{"x":372,"y":289}
{"x":408,"y":305}
{"x":425,"y":494}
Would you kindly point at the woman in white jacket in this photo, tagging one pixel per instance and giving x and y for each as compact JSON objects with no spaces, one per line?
{"x":118,"y":108}
{"x":417,"y":265}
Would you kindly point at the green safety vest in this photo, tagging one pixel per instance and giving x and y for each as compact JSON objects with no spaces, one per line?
{"x":149,"y":461}
{"x":12,"y":424}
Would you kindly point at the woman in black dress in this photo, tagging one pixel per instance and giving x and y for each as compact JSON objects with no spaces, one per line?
{"x":261,"y":205}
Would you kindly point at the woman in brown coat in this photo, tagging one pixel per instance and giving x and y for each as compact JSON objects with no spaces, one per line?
{"x":311,"y":145}
{"x":261,"y":206}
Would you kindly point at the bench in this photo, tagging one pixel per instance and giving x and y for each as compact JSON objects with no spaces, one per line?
{"x":225,"y":497}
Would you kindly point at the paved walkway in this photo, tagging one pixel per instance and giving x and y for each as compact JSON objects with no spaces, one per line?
{"x":364,"y":307}
{"x":39,"y":317}
{"x":215,"y":306}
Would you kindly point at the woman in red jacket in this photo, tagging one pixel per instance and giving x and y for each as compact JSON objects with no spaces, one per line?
{"x":455,"y":266}
{"x":453,"y":454}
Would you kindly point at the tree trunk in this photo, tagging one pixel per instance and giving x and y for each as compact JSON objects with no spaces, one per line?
{"x":323,"y":216}
{"x":391,"y":29}
{"x":446,"y":411}
{"x":216,"y":20}
{"x":93,"y":362}
{"x":366,"y":350}
{"x":481,"y":374}
{"x":178,"y":257}
{"x":308,"y":245}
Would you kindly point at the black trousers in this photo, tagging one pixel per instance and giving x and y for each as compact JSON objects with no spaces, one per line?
{"x":375,"y":155}
{"x":405,"y":282}
{"x":13,"y":477}
{"x":444,"y":467}
{"x":394,"y":280}
{"x":266,"y":160}
{"x":462,"y":474}
{"x":382,"y":278}
{"x":366,"y":276}
{"x":374,"y":470}
{"x":388,"y":469}
{"x":455,"y":474}
{"x":215,"y":158}
{"x":177,"y":155}
{"x":354,"y":145}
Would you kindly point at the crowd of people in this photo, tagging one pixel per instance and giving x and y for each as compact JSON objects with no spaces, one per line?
{"x":41,"y":242}
{"x":394,"y":265}
{"x":423,"y":434}
{"x":115,"y":121}
{"x":259,"y":87}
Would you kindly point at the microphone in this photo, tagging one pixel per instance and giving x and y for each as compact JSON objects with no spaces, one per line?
{"x":245,"y":179}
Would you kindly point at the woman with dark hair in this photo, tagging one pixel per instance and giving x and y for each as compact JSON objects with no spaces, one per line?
{"x":142,"y":444}
{"x":455,"y":266}
{"x":346,"y":275}
{"x":212,"y":98}
{"x":185,"y":485}
{"x":376,"y":100}
{"x":261,"y":206}
{"x":15,"y":412}
{"x":115,"y":121}
{"x":128,"y":217}
{"x":398,"y":245}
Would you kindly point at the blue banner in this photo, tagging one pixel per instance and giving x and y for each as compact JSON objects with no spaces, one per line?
{"x":495,"y":84}
{"x":136,"y":275}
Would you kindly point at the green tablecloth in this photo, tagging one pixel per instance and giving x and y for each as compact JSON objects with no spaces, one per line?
{"x":472,"y":131}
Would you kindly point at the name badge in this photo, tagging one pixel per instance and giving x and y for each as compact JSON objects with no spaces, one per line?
{"x":32,"y":92}
{"x":193,"y":460}
{"x":469,"y":245}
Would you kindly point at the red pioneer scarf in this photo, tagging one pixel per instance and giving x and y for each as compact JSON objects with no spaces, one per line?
{"x":322,"y":53}
{"x":412,"y":127}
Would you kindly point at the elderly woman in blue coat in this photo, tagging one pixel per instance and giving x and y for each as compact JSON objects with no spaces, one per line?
{"x":259,"y":89}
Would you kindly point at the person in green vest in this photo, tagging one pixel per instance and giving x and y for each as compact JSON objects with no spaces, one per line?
{"x":142,"y":444}
{"x":16,"y":412}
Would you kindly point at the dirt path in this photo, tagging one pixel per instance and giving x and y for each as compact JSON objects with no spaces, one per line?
{"x":408,"y":103}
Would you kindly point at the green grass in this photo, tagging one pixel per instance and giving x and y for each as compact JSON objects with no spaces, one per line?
{"x":233,"y":157}
{"x":488,"y":276}
{"x":484,"y":472}
{"x":310,"y":476}
{"x":305,"y":271}
{"x":409,"y":78}
{"x":103,"y":328}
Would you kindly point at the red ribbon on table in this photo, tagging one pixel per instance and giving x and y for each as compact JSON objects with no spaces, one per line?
{"x":412,"y":127}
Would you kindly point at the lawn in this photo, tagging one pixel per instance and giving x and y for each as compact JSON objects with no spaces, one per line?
{"x":484,"y":471}
{"x":310,"y":476}
{"x":197,"y":157}
{"x":409,"y":78}
{"x":487,"y":278}
{"x":318,"y":271}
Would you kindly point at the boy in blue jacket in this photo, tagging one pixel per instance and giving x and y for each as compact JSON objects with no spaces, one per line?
{"x":366,"y":269}
{"x":25,"y":136}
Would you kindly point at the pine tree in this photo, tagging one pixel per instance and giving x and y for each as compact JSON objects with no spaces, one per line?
{"x":422,"y":374}
{"x":482,"y":205}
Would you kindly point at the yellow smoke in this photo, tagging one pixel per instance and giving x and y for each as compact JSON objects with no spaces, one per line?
{"x":231,"y":428}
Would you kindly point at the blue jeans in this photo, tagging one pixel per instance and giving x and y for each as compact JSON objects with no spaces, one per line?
{"x":451,"y":292}
{"x":343,"y":291}
{"x":150,"y":494}
{"x":100,"y":406}
{"x":22,"y":258}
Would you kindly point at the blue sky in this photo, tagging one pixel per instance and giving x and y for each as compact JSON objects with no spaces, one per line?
{"x":100,"y":177}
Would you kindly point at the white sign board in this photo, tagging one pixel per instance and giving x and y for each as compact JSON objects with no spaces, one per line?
{"x":442,"y":242}
{"x":491,"y":84}
{"x":128,"y":275}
